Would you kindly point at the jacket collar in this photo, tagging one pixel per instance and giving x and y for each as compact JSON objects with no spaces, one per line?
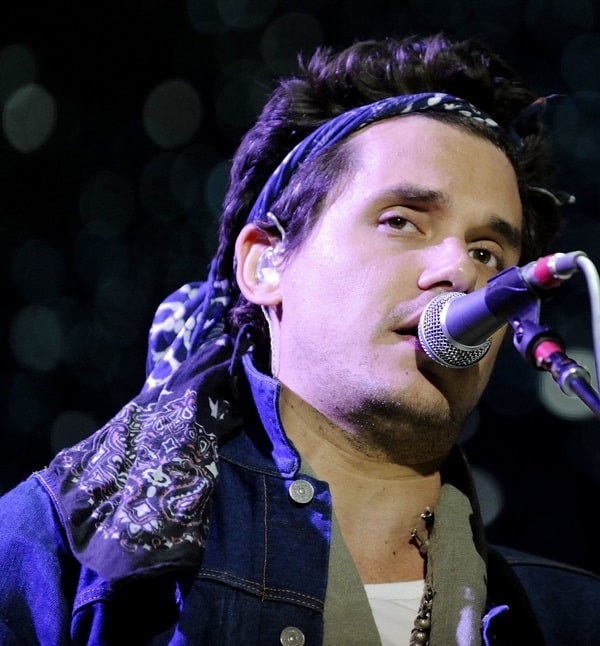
{"x":273,"y":454}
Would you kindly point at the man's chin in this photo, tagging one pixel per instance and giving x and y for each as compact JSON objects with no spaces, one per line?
{"x":413,"y":429}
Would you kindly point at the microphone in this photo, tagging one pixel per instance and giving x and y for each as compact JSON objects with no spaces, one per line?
{"x":455,"y":327}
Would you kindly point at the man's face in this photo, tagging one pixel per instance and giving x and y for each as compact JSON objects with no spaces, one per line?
{"x":429,"y":208}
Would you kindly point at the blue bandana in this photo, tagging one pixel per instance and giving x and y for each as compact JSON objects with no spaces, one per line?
{"x":340,"y":127}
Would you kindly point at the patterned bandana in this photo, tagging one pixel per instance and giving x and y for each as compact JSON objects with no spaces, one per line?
{"x":340,"y":127}
{"x":134,"y":494}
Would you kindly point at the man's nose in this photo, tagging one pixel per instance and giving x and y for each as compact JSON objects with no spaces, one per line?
{"x":448,"y":265}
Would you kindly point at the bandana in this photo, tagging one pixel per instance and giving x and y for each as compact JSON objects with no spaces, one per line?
{"x":340,"y":127}
{"x":135,"y":494}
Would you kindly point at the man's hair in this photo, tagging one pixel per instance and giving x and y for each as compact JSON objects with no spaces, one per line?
{"x":329,"y":83}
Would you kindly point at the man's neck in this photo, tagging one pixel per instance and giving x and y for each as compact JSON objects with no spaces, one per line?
{"x":377,"y":503}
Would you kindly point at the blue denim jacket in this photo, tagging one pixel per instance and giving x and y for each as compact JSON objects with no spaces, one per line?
{"x":264,"y":572}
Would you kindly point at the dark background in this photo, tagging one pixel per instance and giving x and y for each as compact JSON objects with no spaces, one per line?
{"x":118,"y":123}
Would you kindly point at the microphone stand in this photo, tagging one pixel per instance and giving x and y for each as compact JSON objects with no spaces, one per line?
{"x":544,"y":349}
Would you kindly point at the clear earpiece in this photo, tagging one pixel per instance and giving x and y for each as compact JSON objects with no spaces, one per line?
{"x":266,"y":271}
{"x":266,"y":268}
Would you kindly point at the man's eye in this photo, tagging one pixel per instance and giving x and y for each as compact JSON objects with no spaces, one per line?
{"x":485,"y":257}
{"x":400,"y":224}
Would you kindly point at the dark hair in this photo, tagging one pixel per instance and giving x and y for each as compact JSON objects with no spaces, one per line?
{"x":329,"y":83}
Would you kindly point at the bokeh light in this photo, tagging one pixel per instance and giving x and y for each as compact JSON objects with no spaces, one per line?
{"x":106,"y":204}
{"x":17,"y":68}
{"x":240,"y":93}
{"x":580,"y":63}
{"x":28,"y":117}
{"x":220,"y":15}
{"x":287,"y":37}
{"x":564,"y":405}
{"x":172,"y":113}
{"x":36,"y":338}
{"x":38,"y":270}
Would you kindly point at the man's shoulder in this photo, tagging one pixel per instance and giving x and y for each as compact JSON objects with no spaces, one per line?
{"x":563,"y":598}
{"x":29,"y":489}
{"x":29,"y":510}
{"x":529,"y":564}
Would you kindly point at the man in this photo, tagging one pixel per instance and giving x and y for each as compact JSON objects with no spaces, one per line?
{"x":289,"y":473}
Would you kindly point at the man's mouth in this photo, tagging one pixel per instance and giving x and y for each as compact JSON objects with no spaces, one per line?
{"x":407,"y":331}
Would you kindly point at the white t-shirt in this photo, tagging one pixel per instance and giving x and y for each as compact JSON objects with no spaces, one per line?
{"x":395,"y":607}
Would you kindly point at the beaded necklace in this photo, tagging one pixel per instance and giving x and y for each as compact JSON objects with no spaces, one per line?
{"x":420,"y":633}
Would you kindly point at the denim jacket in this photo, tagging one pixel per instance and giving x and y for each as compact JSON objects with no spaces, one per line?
{"x":263,"y":575}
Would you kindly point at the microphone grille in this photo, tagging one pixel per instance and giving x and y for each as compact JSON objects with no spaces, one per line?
{"x":435,"y":342}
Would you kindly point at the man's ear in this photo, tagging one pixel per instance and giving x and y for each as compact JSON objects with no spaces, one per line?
{"x":257,"y":272}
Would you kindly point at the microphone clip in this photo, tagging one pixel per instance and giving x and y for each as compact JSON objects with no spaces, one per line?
{"x":543,"y":348}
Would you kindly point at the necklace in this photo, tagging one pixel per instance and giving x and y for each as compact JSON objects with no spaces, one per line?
{"x":419,"y":635}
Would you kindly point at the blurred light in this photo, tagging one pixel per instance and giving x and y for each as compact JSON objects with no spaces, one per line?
{"x":120,"y":312}
{"x":38,"y":271}
{"x":106,"y":204}
{"x":242,"y":14}
{"x":216,"y":17}
{"x":97,"y":259}
{"x":29,"y":117}
{"x":547,"y":23}
{"x":494,"y":11}
{"x":567,"y":407}
{"x":216,"y":187}
{"x":577,"y":132}
{"x":288,"y":36}
{"x":233,"y":13}
{"x":82,"y":347}
{"x":490,"y":494}
{"x":569,"y":122}
{"x":69,"y":428}
{"x":189,"y":174}
{"x":205,"y":16}
{"x":156,"y":190}
{"x":35,"y":338}
{"x":24,"y":404}
{"x":580,"y":13}
{"x":187,"y":252}
{"x":17,"y":68}
{"x":241,"y":94}
{"x":172,"y":113}
{"x":453,"y":13}
{"x":579,"y":63}
{"x":187,"y":180}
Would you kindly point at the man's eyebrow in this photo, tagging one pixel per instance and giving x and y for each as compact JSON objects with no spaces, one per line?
{"x":510,"y":233}
{"x":414,"y":193}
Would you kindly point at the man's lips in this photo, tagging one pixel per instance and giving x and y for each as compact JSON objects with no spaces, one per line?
{"x":408,"y":326}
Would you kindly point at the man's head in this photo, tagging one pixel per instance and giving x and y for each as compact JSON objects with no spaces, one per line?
{"x":424,"y":207}
{"x":331,"y":83}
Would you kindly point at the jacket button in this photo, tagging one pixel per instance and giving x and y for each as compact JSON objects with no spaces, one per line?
{"x":291,"y":636}
{"x":301,"y":491}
